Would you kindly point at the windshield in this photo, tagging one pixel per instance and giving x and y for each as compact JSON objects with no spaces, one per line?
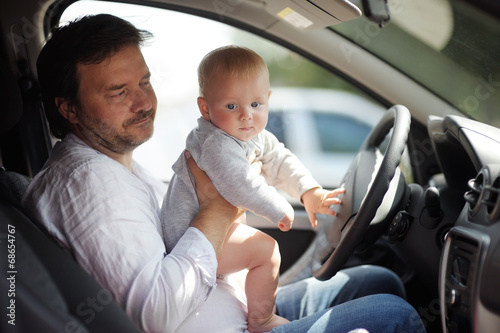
{"x":452,"y":47}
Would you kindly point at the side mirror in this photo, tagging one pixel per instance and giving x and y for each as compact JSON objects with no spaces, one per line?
{"x":377,"y":11}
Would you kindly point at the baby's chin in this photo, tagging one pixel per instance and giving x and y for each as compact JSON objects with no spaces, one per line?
{"x":244,"y":135}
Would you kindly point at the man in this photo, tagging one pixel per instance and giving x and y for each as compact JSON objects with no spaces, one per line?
{"x":104,"y":208}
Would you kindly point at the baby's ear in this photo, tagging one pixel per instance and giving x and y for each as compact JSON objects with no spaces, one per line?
{"x":203,"y":106}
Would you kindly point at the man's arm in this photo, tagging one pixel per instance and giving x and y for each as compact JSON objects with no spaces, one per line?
{"x":104,"y":215}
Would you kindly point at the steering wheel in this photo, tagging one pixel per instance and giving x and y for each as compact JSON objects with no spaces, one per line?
{"x":374,"y":187}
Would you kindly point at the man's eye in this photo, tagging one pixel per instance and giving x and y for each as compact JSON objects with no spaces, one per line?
{"x":231,"y":106}
{"x":121,"y":93}
{"x":255,"y":104}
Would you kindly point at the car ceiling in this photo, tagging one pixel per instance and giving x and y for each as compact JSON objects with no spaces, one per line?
{"x":333,"y":51}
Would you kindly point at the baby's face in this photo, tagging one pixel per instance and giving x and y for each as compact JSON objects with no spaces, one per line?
{"x":237,"y":105}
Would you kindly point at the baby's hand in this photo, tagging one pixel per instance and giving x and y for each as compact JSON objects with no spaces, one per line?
{"x":318,"y":201}
{"x":255,"y":166}
{"x":286,"y":222}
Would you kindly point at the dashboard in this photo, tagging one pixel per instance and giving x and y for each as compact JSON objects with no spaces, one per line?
{"x":468,"y":153}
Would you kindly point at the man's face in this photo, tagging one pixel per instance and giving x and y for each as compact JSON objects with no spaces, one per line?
{"x":117,"y":103}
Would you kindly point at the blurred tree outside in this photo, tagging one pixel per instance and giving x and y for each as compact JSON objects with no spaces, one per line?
{"x":289,"y":69}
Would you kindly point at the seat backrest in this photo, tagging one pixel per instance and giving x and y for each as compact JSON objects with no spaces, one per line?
{"x":12,"y":186}
{"x":11,"y":104}
{"x":47,"y":290}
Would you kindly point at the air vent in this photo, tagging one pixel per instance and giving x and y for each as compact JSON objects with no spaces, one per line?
{"x":491,"y":199}
{"x":474,"y":195}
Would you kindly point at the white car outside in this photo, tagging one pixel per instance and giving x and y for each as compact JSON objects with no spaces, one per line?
{"x":323,"y":127}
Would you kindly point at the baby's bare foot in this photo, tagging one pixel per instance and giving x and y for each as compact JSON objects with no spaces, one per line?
{"x":258,"y":325}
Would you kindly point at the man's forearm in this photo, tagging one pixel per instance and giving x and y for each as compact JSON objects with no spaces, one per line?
{"x":214,"y":225}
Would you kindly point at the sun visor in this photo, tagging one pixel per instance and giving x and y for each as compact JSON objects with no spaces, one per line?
{"x":313,"y":14}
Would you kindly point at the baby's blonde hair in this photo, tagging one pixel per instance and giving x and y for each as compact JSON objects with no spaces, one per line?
{"x":231,"y":60}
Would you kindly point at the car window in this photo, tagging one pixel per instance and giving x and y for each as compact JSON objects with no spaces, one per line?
{"x":339,"y":133}
{"x":450,"y":46}
{"x":276,"y":126}
{"x":181,"y":40}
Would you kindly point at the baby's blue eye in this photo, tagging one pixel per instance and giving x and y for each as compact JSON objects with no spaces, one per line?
{"x":231,"y":106}
{"x":255,"y":104}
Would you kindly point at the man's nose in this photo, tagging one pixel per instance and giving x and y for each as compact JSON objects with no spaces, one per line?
{"x":142,"y":100}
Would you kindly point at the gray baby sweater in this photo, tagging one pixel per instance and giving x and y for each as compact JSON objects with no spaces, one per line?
{"x":225,"y":160}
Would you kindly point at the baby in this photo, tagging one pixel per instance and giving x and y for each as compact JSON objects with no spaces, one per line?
{"x":234,"y":95}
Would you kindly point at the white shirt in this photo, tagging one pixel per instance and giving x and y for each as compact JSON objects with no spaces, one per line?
{"x":108,"y":218}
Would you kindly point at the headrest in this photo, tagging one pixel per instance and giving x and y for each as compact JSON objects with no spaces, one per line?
{"x":11,"y":103}
{"x":12,"y":186}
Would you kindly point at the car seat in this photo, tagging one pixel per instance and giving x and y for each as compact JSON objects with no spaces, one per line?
{"x":49,"y":291}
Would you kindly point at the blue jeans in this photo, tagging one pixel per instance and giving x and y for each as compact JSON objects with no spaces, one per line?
{"x":368,"y":297}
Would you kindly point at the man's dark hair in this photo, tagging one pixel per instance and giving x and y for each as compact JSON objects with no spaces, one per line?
{"x":88,"y":40}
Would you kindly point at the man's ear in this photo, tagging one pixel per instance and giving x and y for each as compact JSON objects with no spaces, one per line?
{"x":66,"y":109}
{"x":203,"y":106}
